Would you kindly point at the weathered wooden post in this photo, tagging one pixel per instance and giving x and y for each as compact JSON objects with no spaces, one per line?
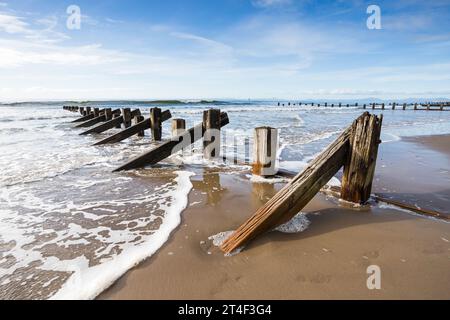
{"x":82,"y":110}
{"x":393,"y":106}
{"x":442,"y":107}
{"x":265,"y":149}
{"x":373,"y":106}
{"x":348,"y":105}
{"x":415,"y":106}
{"x":356,"y":104}
{"x":96,"y":112}
{"x":360,"y":165}
{"x":326,"y":104}
{"x":136,"y":120}
{"x":126,"y":114}
{"x":178,"y":127}
{"x":156,"y":122}
{"x":428,"y":107}
{"x":404,"y":106}
{"x":332,"y":105}
{"x":382,"y":106}
{"x":364,"y":106}
{"x":108,"y":114}
{"x":211,"y":139}
{"x":88,"y":110}
{"x":340,"y":105}
{"x":118,"y":124}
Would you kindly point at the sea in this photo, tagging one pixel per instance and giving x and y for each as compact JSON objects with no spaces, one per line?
{"x":69,"y":226}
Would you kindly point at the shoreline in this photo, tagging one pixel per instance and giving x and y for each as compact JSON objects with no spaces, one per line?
{"x":326,"y":261}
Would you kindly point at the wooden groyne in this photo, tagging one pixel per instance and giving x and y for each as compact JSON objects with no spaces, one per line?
{"x":177,"y":143}
{"x":428,"y":106}
{"x":138,"y":129}
{"x":356,"y":149}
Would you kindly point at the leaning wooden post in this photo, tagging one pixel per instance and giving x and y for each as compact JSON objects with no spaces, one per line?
{"x":178,"y":127}
{"x":155,"y":119}
{"x":360,"y":165}
{"x":265,"y":149}
{"x":393,"y":106}
{"x":211,"y":139}
{"x":442,"y":107}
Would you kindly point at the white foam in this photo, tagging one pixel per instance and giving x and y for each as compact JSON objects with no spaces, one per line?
{"x":219,"y":239}
{"x":259,"y":179}
{"x":297,"y":224}
{"x":87,"y":282}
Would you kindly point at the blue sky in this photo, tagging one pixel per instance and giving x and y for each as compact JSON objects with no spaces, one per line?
{"x":259,"y":49}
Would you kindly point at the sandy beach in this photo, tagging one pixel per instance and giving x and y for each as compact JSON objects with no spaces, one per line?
{"x":328,"y":260}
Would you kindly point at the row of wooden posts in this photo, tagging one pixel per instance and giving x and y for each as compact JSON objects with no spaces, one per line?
{"x":429,"y":106}
{"x":355,"y":149}
{"x":134,"y":123}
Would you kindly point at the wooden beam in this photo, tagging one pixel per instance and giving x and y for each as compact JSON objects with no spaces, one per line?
{"x":111,"y":123}
{"x":170,"y":147}
{"x":91,"y":122}
{"x":359,"y":168}
{"x":131,"y":131}
{"x":294,"y":196}
{"x":101,"y":118}
{"x":85,"y":118}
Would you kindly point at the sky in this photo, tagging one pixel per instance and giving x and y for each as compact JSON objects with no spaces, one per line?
{"x":223,"y":49}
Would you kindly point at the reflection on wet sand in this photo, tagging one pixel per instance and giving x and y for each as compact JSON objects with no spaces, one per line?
{"x":209,"y":185}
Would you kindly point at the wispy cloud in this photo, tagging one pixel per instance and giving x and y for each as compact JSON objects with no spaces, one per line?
{"x":203,"y":41}
{"x":12,"y":24}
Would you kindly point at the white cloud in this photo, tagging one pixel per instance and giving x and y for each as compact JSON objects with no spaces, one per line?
{"x":12,"y":24}
{"x":44,"y":29}
{"x":15,"y":54}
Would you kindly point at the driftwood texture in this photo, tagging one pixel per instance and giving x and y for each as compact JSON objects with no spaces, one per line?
{"x":359,"y":168}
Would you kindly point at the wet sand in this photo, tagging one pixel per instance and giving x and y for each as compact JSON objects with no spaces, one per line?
{"x":327,"y":261}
